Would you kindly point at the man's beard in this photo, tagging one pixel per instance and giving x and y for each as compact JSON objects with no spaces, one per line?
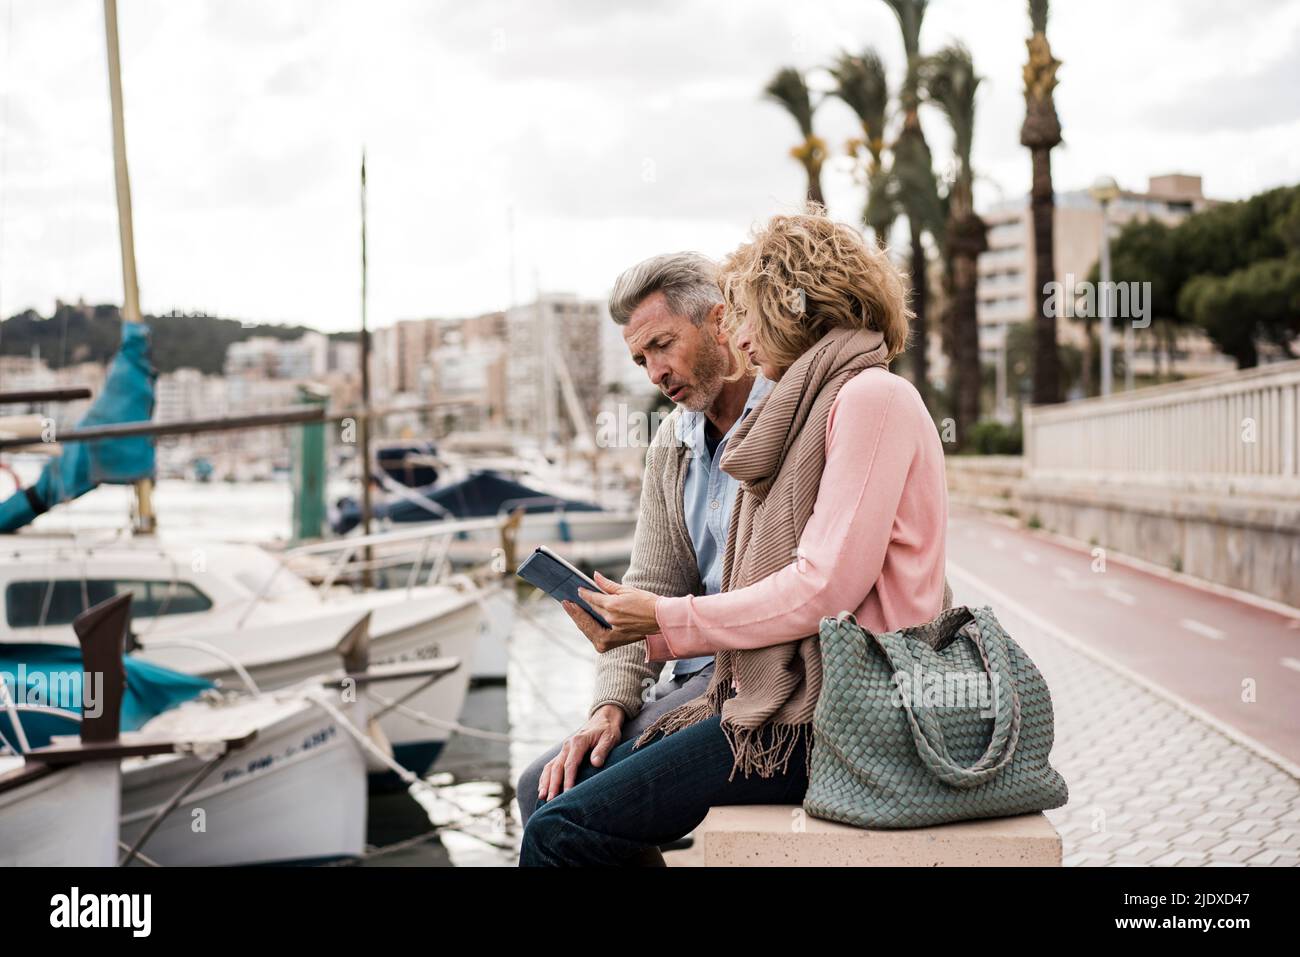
{"x":710,"y":368}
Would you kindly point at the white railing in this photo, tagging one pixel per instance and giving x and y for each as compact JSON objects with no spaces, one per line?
{"x":419,"y":551}
{"x":1237,"y":432}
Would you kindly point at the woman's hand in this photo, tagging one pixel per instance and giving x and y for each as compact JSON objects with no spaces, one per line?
{"x":629,"y":611}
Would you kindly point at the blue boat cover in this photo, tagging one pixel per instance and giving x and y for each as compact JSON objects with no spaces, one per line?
{"x":150,"y":689}
{"x":128,"y":396}
{"x":482,"y":495}
{"x":391,"y":460}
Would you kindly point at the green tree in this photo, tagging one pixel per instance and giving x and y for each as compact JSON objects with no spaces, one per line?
{"x":1231,"y":270}
{"x":1257,"y":302}
{"x":1145,"y":252}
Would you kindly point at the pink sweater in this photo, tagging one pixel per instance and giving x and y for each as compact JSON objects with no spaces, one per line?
{"x":874,"y":544}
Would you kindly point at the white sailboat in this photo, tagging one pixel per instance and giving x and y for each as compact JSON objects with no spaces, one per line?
{"x":225,"y":778}
{"x":240,"y":614}
{"x":60,"y":804}
{"x":54,"y":816}
{"x":295,"y":793}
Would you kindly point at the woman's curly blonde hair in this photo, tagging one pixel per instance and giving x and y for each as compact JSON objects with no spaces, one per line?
{"x":803,"y":275}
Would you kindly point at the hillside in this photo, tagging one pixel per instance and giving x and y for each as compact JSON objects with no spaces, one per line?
{"x":75,"y":335}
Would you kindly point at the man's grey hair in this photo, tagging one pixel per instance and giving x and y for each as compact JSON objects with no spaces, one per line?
{"x":689,"y":282}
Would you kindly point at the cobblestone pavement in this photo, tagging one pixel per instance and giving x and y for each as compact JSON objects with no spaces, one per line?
{"x":1150,"y":783}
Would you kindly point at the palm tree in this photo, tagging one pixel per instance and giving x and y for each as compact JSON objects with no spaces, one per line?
{"x":950,"y":83}
{"x":790,"y":90}
{"x":1040,"y":133}
{"x":860,"y":83}
{"x":913,"y":175}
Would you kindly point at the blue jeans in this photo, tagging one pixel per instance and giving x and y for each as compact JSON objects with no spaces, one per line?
{"x":616,"y":814}
{"x":669,"y":693}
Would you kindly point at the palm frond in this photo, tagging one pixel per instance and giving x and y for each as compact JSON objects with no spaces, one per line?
{"x":860,"y":82}
{"x":789,"y":89}
{"x":949,"y":81}
{"x":918,"y":191}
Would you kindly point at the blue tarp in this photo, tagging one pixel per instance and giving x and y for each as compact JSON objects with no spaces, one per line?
{"x":482,"y":495}
{"x":128,"y":396}
{"x":392,"y":461}
{"x":150,"y":689}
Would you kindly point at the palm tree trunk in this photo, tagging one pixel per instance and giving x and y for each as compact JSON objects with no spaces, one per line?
{"x":815,"y":187}
{"x":921,"y":346}
{"x":1047,"y":365}
{"x":966,"y":347}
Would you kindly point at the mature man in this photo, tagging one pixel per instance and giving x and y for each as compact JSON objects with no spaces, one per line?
{"x":670,"y":308}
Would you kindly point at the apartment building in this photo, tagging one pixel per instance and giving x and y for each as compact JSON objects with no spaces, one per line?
{"x":1006,"y":295}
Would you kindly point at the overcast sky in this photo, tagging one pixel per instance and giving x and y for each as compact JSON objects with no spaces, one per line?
{"x":613,"y":131}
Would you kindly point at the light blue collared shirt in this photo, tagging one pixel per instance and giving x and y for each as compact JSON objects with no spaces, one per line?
{"x":707,"y":498}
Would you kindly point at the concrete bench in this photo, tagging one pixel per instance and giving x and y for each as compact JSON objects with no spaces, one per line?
{"x":785,"y":836}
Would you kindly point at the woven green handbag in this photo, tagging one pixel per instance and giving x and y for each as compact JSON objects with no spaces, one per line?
{"x":947,"y":721}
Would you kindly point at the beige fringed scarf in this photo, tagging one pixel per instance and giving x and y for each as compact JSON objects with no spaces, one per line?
{"x":778,"y":454}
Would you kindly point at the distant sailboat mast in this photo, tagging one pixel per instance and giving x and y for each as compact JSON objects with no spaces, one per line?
{"x":144,"y":513}
{"x":364,"y":420}
{"x":542,"y":317}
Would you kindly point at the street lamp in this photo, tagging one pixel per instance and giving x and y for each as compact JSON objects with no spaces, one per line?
{"x":1001,"y":412}
{"x":1103,"y":191}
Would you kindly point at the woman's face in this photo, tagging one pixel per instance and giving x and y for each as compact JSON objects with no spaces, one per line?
{"x":748,"y":343}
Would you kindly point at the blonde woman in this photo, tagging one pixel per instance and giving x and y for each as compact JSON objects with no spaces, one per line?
{"x":842,"y":506}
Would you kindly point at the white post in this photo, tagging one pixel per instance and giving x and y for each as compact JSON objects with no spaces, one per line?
{"x":1129,"y":349}
{"x":1002,"y":412}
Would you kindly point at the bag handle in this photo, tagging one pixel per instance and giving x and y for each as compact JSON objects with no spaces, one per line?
{"x":987,"y":639}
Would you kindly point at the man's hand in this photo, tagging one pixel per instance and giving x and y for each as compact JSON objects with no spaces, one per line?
{"x":599,"y":736}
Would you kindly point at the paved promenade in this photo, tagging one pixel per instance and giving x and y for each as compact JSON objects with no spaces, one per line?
{"x":1150,"y":783}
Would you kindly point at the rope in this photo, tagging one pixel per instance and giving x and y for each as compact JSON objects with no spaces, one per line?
{"x":413,"y":783}
{"x":455,"y":726}
{"x":541,"y":698}
{"x":139,"y":855}
{"x":533,"y":621}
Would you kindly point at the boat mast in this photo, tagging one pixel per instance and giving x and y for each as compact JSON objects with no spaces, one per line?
{"x":544,"y":332}
{"x":364,"y":422}
{"x":144,"y":514}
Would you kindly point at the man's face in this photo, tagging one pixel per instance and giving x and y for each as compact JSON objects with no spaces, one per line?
{"x":685,"y":361}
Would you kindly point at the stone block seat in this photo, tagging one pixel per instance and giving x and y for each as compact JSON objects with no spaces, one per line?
{"x":778,"y":835}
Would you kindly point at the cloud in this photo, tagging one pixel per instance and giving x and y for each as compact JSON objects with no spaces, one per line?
{"x":1236,"y":101}
{"x":606,"y":131}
